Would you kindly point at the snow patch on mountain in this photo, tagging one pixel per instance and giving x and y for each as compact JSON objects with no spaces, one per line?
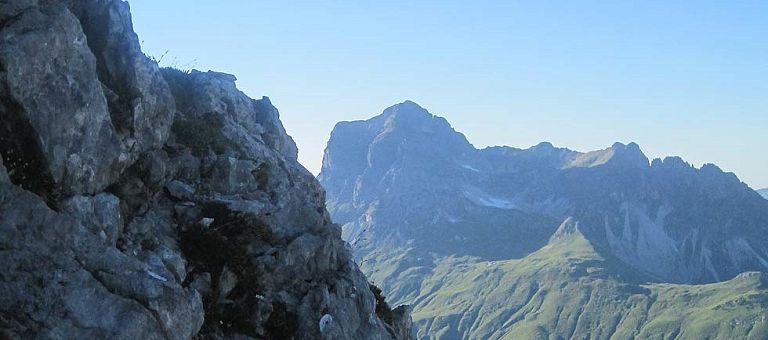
{"x":469,"y":167}
{"x":484,"y":199}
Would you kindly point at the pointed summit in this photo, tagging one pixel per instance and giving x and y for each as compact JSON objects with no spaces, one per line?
{"x":405,"y":107}
{"x":407,"y":111}
{"x":411,"y":121}
{"x":569,"y":228}
{"x":409,"y":104}
{"x":404,"y":135}
{"x":629,"y":154}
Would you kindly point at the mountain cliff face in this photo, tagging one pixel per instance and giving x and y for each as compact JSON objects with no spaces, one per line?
{"x":140,"y":203}
{"x":416,"y":198}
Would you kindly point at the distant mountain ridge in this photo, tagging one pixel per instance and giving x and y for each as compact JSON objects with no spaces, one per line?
{"x":763,"y":192}
{"x":413,"y":195}
{"x":413,"y":163}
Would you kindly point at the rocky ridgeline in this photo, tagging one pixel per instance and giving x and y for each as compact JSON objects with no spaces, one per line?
{"x":406,"y":178}
{"x":139,"y":203}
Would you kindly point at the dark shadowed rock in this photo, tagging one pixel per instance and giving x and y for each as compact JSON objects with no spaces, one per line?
{"x":61,"y":280}
{"x":3,"y":173}
{"x":180,"y":190}
{"x":403,"y":325}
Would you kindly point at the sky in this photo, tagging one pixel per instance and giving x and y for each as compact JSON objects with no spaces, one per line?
{"x":684,"y":78}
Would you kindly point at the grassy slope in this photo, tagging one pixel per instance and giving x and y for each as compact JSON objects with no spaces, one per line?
{"x":565,"y":291}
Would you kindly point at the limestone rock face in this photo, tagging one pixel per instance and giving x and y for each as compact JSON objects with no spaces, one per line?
{"x":61,"y":279}
{"x":56,"y":133}
{"x":212,"y":98}
{"x":405,"y":178}
{"x":254,"y":221}
{"x":81,"y":101}
{"x":140,"y":104}
{"x":137,"y":203}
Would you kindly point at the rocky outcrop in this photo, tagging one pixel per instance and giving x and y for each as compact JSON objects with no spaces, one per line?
{"x":140,"y":204}
{"x":211,"y":98}
{"x":63,"y":278}
{"x":56,"y":131}
{"x":82,"y":101}
{"x":140,"y":103}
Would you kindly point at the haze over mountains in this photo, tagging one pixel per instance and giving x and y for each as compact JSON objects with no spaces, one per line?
{"x":763,"y":192}
{"x":546,"y":241}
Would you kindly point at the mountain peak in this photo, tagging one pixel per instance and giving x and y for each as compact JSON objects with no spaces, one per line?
{"x":409,"y":118}
{"x":373,"y":147}
{"x":618,"y":154}
{"x":543,"y":146}
{"x":405,"y":110}
{"x":630,"y":146}
{"x":629,"y":154}
{"x":408,"y":102}
{"x":567,"y":229}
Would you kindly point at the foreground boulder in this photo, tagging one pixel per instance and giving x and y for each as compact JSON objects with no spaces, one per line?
{"x":81,"y":101}
{"x":56,"y":133}
{"x":124,"y":217}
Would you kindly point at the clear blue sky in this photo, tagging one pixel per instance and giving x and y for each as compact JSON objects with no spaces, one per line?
{"x":687,"y":78}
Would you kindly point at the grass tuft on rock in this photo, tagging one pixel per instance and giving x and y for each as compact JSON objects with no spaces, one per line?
{"x":383,"y":311}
